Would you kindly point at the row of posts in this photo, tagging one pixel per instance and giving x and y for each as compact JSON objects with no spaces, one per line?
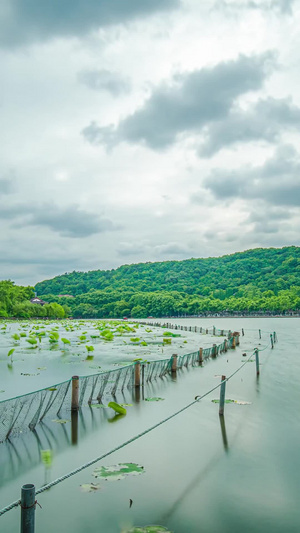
{"x":137,"y":369}
{"x":28,"y":501}
{"x":273,"y":340}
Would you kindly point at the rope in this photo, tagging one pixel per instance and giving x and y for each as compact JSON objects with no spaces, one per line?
{"x":120,"y":446}
{"x":136,"y":437}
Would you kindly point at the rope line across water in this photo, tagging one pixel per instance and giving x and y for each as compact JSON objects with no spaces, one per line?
{"x":120,"y":446}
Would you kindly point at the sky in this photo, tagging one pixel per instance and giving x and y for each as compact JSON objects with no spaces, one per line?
{"x":146,"y":130}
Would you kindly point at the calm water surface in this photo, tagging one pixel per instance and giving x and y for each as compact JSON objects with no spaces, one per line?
{"x":200,"y":475}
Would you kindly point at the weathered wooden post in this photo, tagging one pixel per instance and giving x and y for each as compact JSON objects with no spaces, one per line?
{"x":225,"y":345}
{"x":237,"y":339}
{"x":137,"y":374}
{"x":214,"y":330}
{"x":271,"y":339}
{"x":28,"y":504}
{"x":201,"y":330}
{"x":200,"y":356}
{"x":229,"y":334}
{"x":206,"y":331}
{"x":243,"y":332}
{"x":257,"y":361}
{"x":275,"y":336}
{"x":222,"y":395}
{"x":233,"y":343}
{"x":75,"y":393}
{"x":174,"y":362}
{"x":222,"y":332}
{"x":259,"y":333}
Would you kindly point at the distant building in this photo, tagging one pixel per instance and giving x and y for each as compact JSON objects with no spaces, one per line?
{"x":37,"y":300}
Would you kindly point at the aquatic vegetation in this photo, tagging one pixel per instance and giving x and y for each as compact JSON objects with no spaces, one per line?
{"x":65,"y":341}
{"x":119,"y":471}
{"x":10,"y":354}
{"x":117,"y":408}
{"x":89,"y":348}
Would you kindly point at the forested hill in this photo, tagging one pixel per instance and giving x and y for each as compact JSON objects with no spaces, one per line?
{"x":264,"y":278}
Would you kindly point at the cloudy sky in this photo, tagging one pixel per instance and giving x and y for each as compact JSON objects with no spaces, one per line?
{"x":146,"y":130}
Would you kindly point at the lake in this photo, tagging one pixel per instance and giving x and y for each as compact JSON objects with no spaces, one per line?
{"x":201,"y":473}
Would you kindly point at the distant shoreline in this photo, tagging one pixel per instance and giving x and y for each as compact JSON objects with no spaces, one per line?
{"x":132,"y":319}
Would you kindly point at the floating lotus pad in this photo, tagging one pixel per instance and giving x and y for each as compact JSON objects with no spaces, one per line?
{"x":90,"y":487}
{"x":155,"y":399}
{"x":118,"y":472}
{"x":239,"y":402}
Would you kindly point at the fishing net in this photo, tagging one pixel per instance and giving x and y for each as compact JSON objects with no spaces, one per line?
{"x":25,"y":412}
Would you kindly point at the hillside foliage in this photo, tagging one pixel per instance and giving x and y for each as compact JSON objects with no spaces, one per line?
{"x":259,"y":280}
{"x":15,"y":302}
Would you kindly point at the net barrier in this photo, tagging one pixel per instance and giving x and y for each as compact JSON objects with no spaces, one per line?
{"x":24,"y":412}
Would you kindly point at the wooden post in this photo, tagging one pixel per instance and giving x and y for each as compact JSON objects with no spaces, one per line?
{"x":206,"y":332}
{"x":243,"y":332}
{"x":214,"y":351}
{"x":257,"y":361}
{"x":275,"y":336}
{"x":201,"y":330}
{"x":200,"y":356}
{"x":237,"y":339}
{"x":137,"y":374}
{"x":222,"y":395}
{"x":259,"y":332}
{"x":233,"y":342}
{"x":28,"y":504}
{"x":225,"y":346}
{"x":214,"y":330}
{"x":174,"y":362}
{"x":271,"y":339}
{"x":222,"y":332}
{"x":75,"y":394}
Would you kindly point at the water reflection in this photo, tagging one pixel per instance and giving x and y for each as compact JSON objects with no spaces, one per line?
{"x":23,"y":452}
{"x":223,"y":432}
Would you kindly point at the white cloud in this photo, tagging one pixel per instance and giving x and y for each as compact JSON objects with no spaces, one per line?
{"x":204,"y":133}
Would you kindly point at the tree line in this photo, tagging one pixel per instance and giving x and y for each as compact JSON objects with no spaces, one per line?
{"x":15,"y":302}
{"x":264,"y":280}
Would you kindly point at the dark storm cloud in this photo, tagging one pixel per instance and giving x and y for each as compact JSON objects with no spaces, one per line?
{"x":265,"y":120}
{"x":104,"y":80}
{"x":67,"y":221}
{"x":27,"y":21}
{"x":276,"y":182}
{"x":187,"y":104}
